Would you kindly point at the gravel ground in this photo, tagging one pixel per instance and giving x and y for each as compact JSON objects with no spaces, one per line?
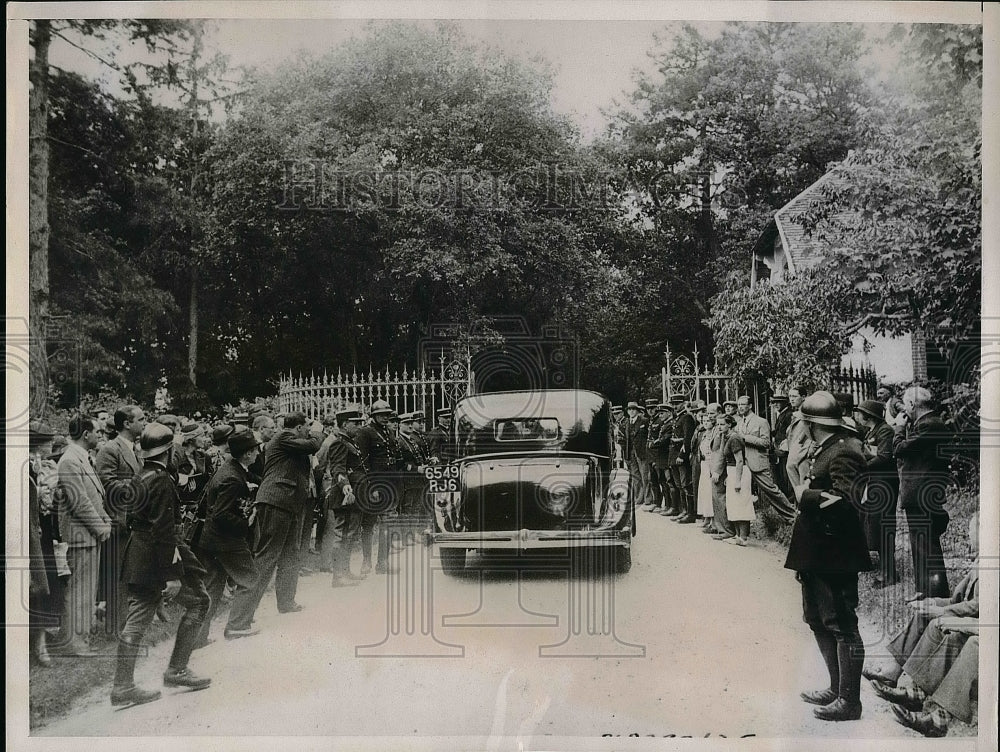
{"x":701,"y":639}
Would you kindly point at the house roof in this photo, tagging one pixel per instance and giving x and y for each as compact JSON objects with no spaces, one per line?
{"x":801,"y":249}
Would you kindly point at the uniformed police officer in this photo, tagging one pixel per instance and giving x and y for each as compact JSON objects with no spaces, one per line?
{"x":827,"y":550}
{"x":380,"y":459}
{"x":156,"y":556}
{"x":437,"y":437}
{"x":414,"y":457}
{"x":679,"y":463}
{"x":343,"y":479}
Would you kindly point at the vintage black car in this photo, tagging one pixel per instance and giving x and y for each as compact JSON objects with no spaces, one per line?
{"x":531,"y":470}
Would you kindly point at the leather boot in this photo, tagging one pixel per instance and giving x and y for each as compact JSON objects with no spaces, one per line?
{"x":828,"y":649}
{"x":177,"y":673}
{"x":847,"y":707}
{"x":124,"y":691}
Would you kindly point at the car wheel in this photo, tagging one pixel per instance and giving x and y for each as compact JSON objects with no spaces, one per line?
{"x":623,"y":559}
{"x":453,"y":560}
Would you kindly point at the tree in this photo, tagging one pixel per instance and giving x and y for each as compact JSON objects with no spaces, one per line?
{"x":904,"y":223}
{"x":400,"y":181}
{"x":43,"y":31}
{"x":726,"y":132}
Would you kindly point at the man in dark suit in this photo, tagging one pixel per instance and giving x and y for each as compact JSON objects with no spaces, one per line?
{"x":157,"y":560}
{"x":658,"y":451}
{"x":116,"y":465}
{"x":919,"y":446}
{"x":680,"y":464}
{"x":827,"y":550}
{"x":380,"y":459}
{"x":782,"y":420}
{"x":636,"y":432}
{"x":280,"y":514}
{"x":881,"y":489}
{"x":224,"y":544}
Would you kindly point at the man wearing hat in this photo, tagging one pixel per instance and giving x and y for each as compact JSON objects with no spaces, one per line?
{"x":437,"y":437}
{"x":84,"y":525}
{"x":696,"y":408}
{"x":654,"y":491}
{"x":158,"y":561}
{"x":782,"y":420}
{"x":827,"y":550}
{"x":881,"y":489}
{"x":380,"y":459}
{"x":414,"y":457}
{"x":920,"y":442}
{"x":343,"y":481}
{"x":679,"y":462}
{"x":224,"y":543}
{"x":116,"y":465}
{"x":636,"y":434}
{"x":658,"y":450}
{"x":729,"y":407}
{"x":281,"y":510}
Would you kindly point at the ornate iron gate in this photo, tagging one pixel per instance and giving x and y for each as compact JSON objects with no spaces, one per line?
{"x":685,"y":376}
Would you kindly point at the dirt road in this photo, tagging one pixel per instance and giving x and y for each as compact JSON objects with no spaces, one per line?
{"x":700,"y":639}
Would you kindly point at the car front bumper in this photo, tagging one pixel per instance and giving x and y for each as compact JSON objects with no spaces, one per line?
{"x":521,"y":539}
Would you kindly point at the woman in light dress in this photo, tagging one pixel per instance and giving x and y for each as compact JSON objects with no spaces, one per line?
{"x":704,"y":450}
{"x":739,"y":503}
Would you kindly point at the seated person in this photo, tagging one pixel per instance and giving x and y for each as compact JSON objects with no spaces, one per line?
{"x":964,"y":602}
{"x":943,"y":683}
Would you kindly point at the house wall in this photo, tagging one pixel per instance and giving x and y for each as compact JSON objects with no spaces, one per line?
{"x":891,"y":357}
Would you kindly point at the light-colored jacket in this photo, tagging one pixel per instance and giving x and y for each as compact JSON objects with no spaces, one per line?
{"x":83,"y":523}
{"x":756,"y":433}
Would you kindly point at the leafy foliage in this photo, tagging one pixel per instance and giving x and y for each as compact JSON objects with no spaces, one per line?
{"x":795,"y":331}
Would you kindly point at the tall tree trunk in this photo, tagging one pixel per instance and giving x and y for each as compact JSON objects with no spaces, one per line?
{"x":193,"y":325}
{"x":38,"y":221}
{"x":193,"y":304}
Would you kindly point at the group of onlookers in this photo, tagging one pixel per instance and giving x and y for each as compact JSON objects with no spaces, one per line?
{"x":694,"y":462}
{"x":836,"y":470}
{"x":128,"y":515}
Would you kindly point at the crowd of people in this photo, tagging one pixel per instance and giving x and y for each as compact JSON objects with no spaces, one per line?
{"x":127,"y":513}
{"x":836,"y":471}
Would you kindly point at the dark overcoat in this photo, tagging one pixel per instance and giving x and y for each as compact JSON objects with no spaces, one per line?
{"x":285,"y":484}
{"x":226,"y":497}
{"x":919,"y":448}
{"x":343,"y":467}
{"x":827,"y":537}
{"x":155,"y":553}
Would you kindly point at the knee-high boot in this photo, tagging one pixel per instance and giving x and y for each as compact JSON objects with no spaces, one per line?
{"x":827,"y":644}
{"x":851,"y":660}
{"x":851,"y":657}
{"x":124,"y":691}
